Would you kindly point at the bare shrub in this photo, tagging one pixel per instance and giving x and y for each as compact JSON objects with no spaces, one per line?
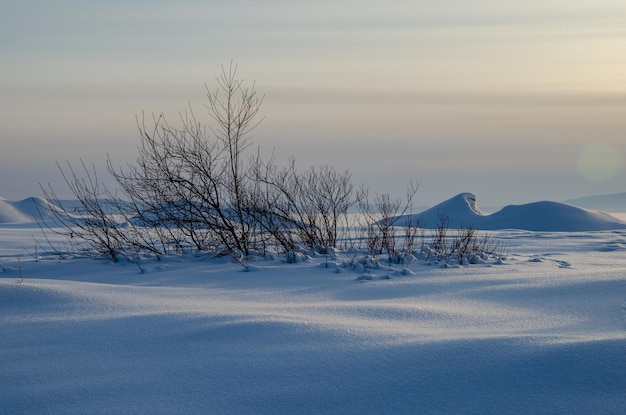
{"x":464,"y":244}
{"x":438,"y":248}
{"x":382,"y":217}
{"x":194,"y":188}
{"x":309,"y":207}
{"x":90,"y":222}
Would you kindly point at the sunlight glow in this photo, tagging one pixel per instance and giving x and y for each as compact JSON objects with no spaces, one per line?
{"x":486,"y":79}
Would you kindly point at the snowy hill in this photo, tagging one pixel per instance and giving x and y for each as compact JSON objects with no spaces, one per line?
{"x":9,"y":213}
{"x":615,"y":202}
{"x":24,"y":211}
{"x":462,"y":210}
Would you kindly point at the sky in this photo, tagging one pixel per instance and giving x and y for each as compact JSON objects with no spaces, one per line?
{"x":513,"y":101}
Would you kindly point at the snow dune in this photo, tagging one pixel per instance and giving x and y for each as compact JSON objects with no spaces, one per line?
{"x":10,"y":212}
{"x":24,"y":211}
{"x":462,"y":210}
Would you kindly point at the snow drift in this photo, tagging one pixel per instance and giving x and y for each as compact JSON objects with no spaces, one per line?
{"x":9,"y":213}
{"x":462,"y":210}
{"x":25,"y":211}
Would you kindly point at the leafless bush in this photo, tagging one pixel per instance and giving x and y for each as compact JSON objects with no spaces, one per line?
{"x":438,"y":248}
{"x":307,"y":207}
{"x":413,"y":235}
{"x":325,"y":195}
{"x":464,"y":244}
{"x":274,"y":206}
{"x":193,"y":188}
{"x":90,"y":222}
{"x":381,"y":218}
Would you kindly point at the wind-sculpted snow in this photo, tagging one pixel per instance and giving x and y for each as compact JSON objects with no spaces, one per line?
{"x":462,"y":210}
{"x":25,"y":211}
{"x":542,"y":332}
{"x":11,"y":214}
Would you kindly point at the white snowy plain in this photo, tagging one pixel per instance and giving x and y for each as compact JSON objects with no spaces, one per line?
{"x":542,"y":332}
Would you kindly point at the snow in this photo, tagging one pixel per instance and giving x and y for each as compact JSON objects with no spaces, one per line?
{"x":25,"y":211}
{"x":615,"y":202}
{"x":543,"y":331}
{"x":9,"y":213}
{"x":462,"y":210}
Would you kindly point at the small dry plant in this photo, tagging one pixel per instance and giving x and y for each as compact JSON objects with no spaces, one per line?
{"x":20,"y":272}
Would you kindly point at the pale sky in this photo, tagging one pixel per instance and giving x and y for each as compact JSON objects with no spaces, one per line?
{"x":514,"y":101}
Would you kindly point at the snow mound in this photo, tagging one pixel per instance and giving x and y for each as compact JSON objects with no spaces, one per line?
{"x":552,"y":217}
{"x":462,"y":210}
{"x":10,"y":214}
{"x":25,"y":211}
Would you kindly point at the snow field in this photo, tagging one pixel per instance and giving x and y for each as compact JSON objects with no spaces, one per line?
{"x":544,"y":332}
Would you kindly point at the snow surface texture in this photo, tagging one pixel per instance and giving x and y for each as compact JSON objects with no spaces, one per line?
{"x":541,"y":332}
{"x":462,"y":210}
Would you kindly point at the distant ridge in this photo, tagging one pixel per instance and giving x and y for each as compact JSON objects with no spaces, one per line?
{"x":615,"y":202}
{"x":462,"y":210}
